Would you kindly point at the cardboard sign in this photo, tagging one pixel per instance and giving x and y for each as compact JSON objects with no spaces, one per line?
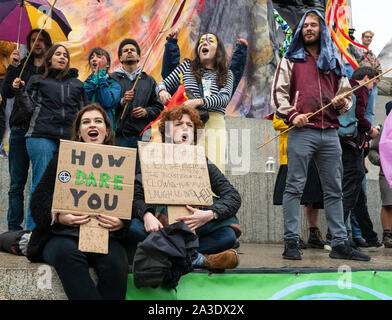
{"x":175,"y":212}
{"x":93,"y":238}
{"x":94,"y":179}
{"x":174,"y":174}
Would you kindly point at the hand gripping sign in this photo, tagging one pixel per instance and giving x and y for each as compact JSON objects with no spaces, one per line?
{"x":94,"y":179}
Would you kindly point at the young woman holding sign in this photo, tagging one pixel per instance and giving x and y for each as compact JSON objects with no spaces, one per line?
{"x":55,"y":240}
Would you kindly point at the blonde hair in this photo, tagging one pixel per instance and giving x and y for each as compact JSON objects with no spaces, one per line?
{"x":367,"y":31}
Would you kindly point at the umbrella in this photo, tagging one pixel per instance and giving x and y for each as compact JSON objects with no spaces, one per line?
{"x":18,"y":17}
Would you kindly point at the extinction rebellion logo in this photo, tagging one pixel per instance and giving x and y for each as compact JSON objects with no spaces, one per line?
{"x":64,"y":176}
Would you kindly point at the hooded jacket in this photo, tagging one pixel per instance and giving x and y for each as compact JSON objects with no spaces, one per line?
{"x":19,"y":117}
{"x":52,"y":104}
{"x":303,"y":85}
{"x":145,"y":97}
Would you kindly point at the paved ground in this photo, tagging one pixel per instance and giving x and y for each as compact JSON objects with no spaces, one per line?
{"x":254,"y":255}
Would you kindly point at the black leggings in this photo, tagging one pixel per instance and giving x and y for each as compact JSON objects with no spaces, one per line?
{"x":72,"y":266}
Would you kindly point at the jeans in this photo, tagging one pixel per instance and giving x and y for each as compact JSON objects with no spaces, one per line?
{"x":18,"y":166}
{"x":130,"y":142}
{"x":324,"y":147}
{"x":209,"y":242}
{"x":40,"y":151}
{"x":72,"y":267}
{"x":371,"y":104}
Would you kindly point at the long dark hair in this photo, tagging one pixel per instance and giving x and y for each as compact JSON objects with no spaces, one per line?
{"x":220,"y":62}
{"x":109,"y":139}
{"x":47,"y":64}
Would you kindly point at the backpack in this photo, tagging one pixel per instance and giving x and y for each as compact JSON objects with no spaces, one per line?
{"x":349,"y":123}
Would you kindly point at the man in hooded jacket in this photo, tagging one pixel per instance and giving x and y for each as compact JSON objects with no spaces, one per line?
{"x":309,"y":77}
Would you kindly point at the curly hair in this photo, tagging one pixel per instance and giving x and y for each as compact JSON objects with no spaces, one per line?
{"x":176,"y":113}
{"x":109,"y":139}
{"x":220,"y":63}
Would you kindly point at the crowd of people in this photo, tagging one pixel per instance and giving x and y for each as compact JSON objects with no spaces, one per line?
{"x":322,"y":161}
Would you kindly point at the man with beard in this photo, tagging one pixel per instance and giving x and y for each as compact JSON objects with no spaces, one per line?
{"x":18,"y":160}
{"x":309,"y":77}
{"x":142,"y":103}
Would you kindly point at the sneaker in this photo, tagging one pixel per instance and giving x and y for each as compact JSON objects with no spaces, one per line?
{"x":315,"y":239}
{"x":223,"y":260}
{"x":328,"y":240}
{"x":291,"y":250}
{"x":345,"y":251}
{"x":387,"y":239}
{"x":360,"y":242}
{"x":301,"y":244}
{"x":374,"y":245}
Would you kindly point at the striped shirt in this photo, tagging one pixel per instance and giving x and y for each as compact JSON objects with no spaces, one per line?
{"x":218,"y":98}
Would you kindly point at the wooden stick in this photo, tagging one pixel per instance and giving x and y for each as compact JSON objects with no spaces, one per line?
{"x":329,"y":104}
{"x":39,"y":33}
{"x":149,"y":52}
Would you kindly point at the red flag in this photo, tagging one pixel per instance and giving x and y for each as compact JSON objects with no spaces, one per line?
{"x":178,"y":98}
{"x":178,"y":13}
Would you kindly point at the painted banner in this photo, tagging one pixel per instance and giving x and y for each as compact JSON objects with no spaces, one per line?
{"x":105,"y":23}
{"x":343,"y":285}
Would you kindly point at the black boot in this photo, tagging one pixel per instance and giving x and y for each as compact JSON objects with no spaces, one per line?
{"x":315,"y":239}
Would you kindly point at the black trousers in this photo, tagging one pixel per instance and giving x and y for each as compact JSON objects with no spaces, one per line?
{"x":354,"y":197}
{"x":72,"y":266}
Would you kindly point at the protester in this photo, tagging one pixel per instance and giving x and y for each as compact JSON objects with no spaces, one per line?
{"x":312,"y":197}
{"x":56,"y":242}
{"x":214,"y":226}
{"x":53,"y":100}
{"x":6,"y":48}
{"x":99,"y":86}
{"x":142,"y":103}
{"x":385,"y":189}
{"x":171,"y":58}
{"x":209,"y":86}
{"x":308,"y":77}
{"x":354,"y":197}
{"x":18,"y":158}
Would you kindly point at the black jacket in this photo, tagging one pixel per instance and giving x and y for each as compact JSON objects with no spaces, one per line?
{"x":19,"y":117}
{"x":53,"y":104}
{"x":145,"y":97}
{"x":226,"y":206}
{"x":41,"y":207}
{"x":164,"y":256}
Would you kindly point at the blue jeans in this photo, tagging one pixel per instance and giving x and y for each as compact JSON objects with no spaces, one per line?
{"x":18,"y":166}
{"x":40,"y":151}
{"x":130,"y":142}
{"x":209,"y":242}
{"x":371,"y":104}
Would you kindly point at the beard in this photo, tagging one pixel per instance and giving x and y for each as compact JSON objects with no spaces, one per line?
{"x":312,"y":42}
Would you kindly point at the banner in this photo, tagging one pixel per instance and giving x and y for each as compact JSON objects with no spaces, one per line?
{"x":343,"y":285}
{"x":105,"y":23}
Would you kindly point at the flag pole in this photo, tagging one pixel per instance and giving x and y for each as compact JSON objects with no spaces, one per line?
{"x":329,"y":104}
{"x":39,"y":33}
{"x":149,"y":52}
